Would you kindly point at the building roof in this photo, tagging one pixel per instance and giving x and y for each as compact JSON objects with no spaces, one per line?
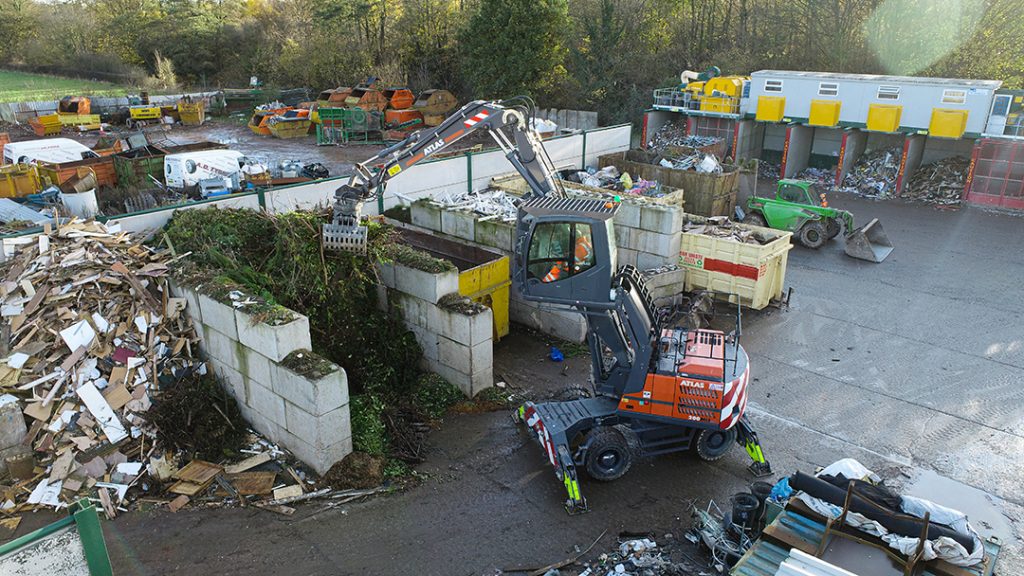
{"x":879,"y":78}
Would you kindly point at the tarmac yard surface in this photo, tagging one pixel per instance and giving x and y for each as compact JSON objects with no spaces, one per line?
{"x":914,"y":366}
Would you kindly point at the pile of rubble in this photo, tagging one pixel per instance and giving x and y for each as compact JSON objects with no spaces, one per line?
{"x":874,"y":175}
{"x":722,"y":227}
{"x":939,"y":183}
{"x":94,"y":347}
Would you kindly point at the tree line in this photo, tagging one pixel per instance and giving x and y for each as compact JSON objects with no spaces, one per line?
{"x":604,"y":55}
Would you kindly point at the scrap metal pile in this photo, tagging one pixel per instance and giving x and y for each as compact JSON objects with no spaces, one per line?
{"x":940,"y":183}
{"x":874,"y":175}
{"x":682,"y":151}
{"x":670,"y":134}
{"x":722,"y":227}
{"x":674,"y":135}
{"x":93,"y":346}
{"x":703,"y":163}
{"x":488,"y":204}
{"x":633,"y":555}
{"x":769,"y":170}
{"x":825,"y":178}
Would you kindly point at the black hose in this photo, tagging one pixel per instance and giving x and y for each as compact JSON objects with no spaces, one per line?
{"x":893,"y":520}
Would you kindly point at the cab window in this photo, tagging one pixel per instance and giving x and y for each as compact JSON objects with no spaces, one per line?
{"x":583,"y":253}
{"x":793,"y":193}
{"x":559,"y":250}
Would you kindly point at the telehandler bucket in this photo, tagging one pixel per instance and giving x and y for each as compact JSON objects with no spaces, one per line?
{"x":869,"y":242}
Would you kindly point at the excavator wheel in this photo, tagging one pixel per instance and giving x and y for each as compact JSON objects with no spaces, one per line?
{"x":713,"y":444}
{"x":575,"y":392}
{"x":755,"y":219}
{"x":813,"y":234}
{"x":608,"y":455}
{"x":833,"y":227}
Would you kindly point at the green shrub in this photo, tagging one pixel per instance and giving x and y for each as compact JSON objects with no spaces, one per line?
{"x":369,"y":433}
{"x":434,"y":395}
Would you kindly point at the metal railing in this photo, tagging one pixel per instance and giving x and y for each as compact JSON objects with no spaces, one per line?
{"x":716,"y":103}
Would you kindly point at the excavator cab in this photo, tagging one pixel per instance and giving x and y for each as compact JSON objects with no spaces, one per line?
{"x":565,"y":250}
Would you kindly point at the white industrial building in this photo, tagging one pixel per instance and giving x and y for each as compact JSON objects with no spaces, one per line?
{"x":827,"y":119}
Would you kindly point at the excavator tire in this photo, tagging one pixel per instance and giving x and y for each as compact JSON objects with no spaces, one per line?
{"x":575,"y":392}
{"x":755,"y":219}
{"x":833,"y":227}
{"x":713,"y":444}
{"x":813,"y":234}
{"x":608,"y":456}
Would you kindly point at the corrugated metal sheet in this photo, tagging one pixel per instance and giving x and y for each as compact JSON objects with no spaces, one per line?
{"x":763,"y":559}
{"x":11,"y":211}
{"x":803,"y":564}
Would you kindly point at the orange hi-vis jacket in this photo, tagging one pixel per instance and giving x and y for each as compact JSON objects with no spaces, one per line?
{"x":584,"y":252}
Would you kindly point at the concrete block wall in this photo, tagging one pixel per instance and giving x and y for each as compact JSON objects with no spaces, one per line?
{"x":665,"y":282}
{"x":259,"y":366}
{"x":648,"y":235}
{"x":456,"y":345}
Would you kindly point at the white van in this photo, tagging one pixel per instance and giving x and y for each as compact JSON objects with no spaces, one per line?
{"x":185,"y":171}
{"x":56,"y":150}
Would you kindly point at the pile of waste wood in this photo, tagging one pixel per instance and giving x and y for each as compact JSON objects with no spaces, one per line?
{"x":97,"y":358}
{"x":940,"y":183}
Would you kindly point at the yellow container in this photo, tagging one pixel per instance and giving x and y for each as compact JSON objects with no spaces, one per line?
{"x":752,"y":273}
{"x":489,"y":284}
{"x":770,"y":108}
{"x":192,"y":113}
{"x":947,"y":123}
{"x":46,"y":125}
{"x":824,"y":113}
{"x":884,"y":117}
{"x":17,"y":180}
{"x":144,"y":112}
{"x":80,"y":120}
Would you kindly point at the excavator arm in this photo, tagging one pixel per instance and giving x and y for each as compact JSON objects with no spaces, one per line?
{"x":508,"y":126}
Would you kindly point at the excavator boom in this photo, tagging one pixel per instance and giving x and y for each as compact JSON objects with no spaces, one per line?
{"x":507,"y":124}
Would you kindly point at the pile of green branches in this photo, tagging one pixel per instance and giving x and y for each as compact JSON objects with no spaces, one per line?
{"x":280,"y":259}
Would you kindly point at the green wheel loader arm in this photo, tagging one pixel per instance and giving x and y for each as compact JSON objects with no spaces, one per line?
{"x":847,"y":219}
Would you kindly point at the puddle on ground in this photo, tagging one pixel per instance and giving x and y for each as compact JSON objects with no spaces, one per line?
{"x":982,"y":509}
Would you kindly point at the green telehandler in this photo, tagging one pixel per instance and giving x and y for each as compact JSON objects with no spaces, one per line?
{"x":801,"y":208}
